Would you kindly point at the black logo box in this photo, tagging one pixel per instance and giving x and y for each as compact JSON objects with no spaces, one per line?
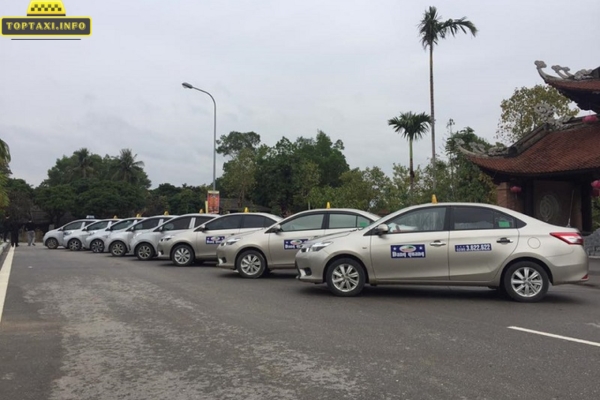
{"x":54,"y":24}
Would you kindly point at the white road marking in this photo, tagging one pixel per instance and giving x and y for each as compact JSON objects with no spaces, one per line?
{"x":570,"y":339}
{"x":4,"y":275}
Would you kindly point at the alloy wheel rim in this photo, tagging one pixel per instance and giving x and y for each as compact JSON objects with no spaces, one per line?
{"x":250,"y":264}
{"x":345,"y":278}
{"x":52,"y":243}
{"x":74,"y":245}
{"x":144,"y":252}
{"x":97,"y":247}
{"x":526,"y":282}
{"x":182,"y":256}
{"x":117,"y":249}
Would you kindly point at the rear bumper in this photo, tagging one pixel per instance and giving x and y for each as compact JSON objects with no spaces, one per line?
{"x":571,"y":268}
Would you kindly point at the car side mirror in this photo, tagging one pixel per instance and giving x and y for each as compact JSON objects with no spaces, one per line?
{"x":382,"y":229}
{"x":130,"y":229}
{"x":108,"y":229}
{"x":275,"y":229}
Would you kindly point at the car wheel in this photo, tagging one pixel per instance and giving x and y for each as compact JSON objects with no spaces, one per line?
{"x":144,"y":251}
{"x":183,"y":255}
{"x":118,"y":249}
{"x":345,"y":277}
{"x":52,"y":243}
{"x":251,"y":264}
{"x":97,"y":246}
{"x":74,"y":245}
{"x":526,"y":281}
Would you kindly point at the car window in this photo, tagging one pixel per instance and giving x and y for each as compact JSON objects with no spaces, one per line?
{"x":422,"y":220}
{"x":201,"y":220}
{"x":481,"y":218}
{"x":256,"y":221}
{"x":177,"y":224}
{"x":86,"y":223}
{"x":227,"y":222}
{"x":147,"y":224}
{"x":338,"y":220}
{"x":99,"y":225}
{"x":304,"y":223}
{"x":72,"y":225}
{"x":123,"y":224}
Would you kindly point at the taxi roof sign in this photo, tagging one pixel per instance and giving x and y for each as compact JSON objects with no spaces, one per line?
{"x":46,"y":8}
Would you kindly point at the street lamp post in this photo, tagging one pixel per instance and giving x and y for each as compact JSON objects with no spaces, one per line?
{"x":188,"y":86}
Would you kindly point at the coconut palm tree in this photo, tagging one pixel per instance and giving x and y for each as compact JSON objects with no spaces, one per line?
{"x":127,"y":169}
{"x":432,"y":29}
{"x":83,"y":163}
{"x":412,"y":127}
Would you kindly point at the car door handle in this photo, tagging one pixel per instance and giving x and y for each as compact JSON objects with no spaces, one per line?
{"x":437,"y":243}
{"x":504,"y":240}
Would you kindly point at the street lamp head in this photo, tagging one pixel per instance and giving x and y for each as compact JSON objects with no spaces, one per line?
{"x":187,"y":85}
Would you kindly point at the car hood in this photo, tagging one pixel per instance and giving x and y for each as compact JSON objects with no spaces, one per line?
{"x":330,"y":236}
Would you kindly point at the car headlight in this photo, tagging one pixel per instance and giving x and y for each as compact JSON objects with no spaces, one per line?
{"x":231,"y":241}
{"x":67,"y":233}
{"x":166,"y":238}
{"x":319,"y":246}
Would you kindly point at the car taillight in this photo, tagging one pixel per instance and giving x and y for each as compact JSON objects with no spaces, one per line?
{"x":569,"y":237}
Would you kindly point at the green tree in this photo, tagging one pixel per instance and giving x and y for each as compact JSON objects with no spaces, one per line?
{"x":4,"y":173}
{"x":239,"y":175}
{"x":326,"y":154}
{"x":20,"y":199}
{"x":232,"y":144}
{"x":431,"y":30}
{"x":127,"y":169}
{"x":520,"y":113}
{"x":83,"y":163}
{"x":412,"y":127}
{"x":55,"y":201}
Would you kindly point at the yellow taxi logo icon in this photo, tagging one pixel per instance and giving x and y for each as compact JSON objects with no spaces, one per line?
{"x":46,"y":8}
{"x":46,"y":18}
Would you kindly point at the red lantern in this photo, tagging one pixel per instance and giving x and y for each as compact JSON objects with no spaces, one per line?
{"x":590,"y":119}
{"x":515,"y":189}
{"x":595,"y":192}
{"x":596,"y":184}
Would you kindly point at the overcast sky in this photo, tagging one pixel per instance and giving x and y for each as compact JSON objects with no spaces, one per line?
{"x":276,"y":67}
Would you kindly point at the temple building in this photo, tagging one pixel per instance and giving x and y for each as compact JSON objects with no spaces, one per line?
{"x":552,"y":173}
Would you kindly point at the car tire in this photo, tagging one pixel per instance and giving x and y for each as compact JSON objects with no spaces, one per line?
{"x":526,"y":282}
{"x":182,"y":255}
{"x":144,"y":251}
{"x":345,"y":277}
{"x":97,"y":246}
{"x":251,"y":264}
{"x":52,"y":243}
{"x":118,"y":249}
{"x":74,"y":245}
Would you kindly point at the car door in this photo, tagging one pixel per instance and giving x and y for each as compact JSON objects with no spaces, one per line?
{"x":481,"y":239}
{"x":284,"y":245}
{"x":148,"y":223}
{"x":214,"y":233}
{"x":172,"y":227}
{"x":415,"y":247}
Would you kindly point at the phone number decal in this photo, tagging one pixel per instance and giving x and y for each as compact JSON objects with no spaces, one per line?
{"x":461,"y":248}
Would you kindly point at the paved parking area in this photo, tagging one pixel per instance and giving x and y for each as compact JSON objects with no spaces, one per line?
{"x":91,"y":326}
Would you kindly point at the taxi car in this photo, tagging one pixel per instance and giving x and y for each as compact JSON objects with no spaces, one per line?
{"x":76,"y":240}
{"x":96,"y":241}
{"x":57,"y":237}
{"x":201,"y":243}
{"x":117,"y":243}
{"x":450,"y":244}
{"x":260,"y":252}
{"x":145,"y":245}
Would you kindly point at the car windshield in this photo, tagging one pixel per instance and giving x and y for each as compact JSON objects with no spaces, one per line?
{"x":122,"y":225}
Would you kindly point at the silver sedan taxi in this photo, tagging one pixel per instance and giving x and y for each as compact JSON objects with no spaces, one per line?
{"x":201,"y":243}
{"x":450,"y":244}
{"x":257,"y":253}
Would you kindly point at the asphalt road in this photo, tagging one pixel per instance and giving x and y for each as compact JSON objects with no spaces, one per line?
{"x":91,"y":326}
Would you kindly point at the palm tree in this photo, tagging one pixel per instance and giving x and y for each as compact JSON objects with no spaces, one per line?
{"x":127,"y":168}
{"x":83,"y":162}
{"x":432,"y":29}
{"x":412,"y":127}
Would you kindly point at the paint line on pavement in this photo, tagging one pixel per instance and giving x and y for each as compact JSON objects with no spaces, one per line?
{"x":570,"y":339}
{"x":4,"y":275}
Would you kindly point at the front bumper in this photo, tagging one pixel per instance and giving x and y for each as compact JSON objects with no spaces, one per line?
{"x":310,"y":266}
{"x":163,"y":249}
{"x":226,"y":257}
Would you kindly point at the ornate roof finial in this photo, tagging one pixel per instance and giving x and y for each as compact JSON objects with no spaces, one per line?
{"x":563,"y":72}
{"x":540,"y":65}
